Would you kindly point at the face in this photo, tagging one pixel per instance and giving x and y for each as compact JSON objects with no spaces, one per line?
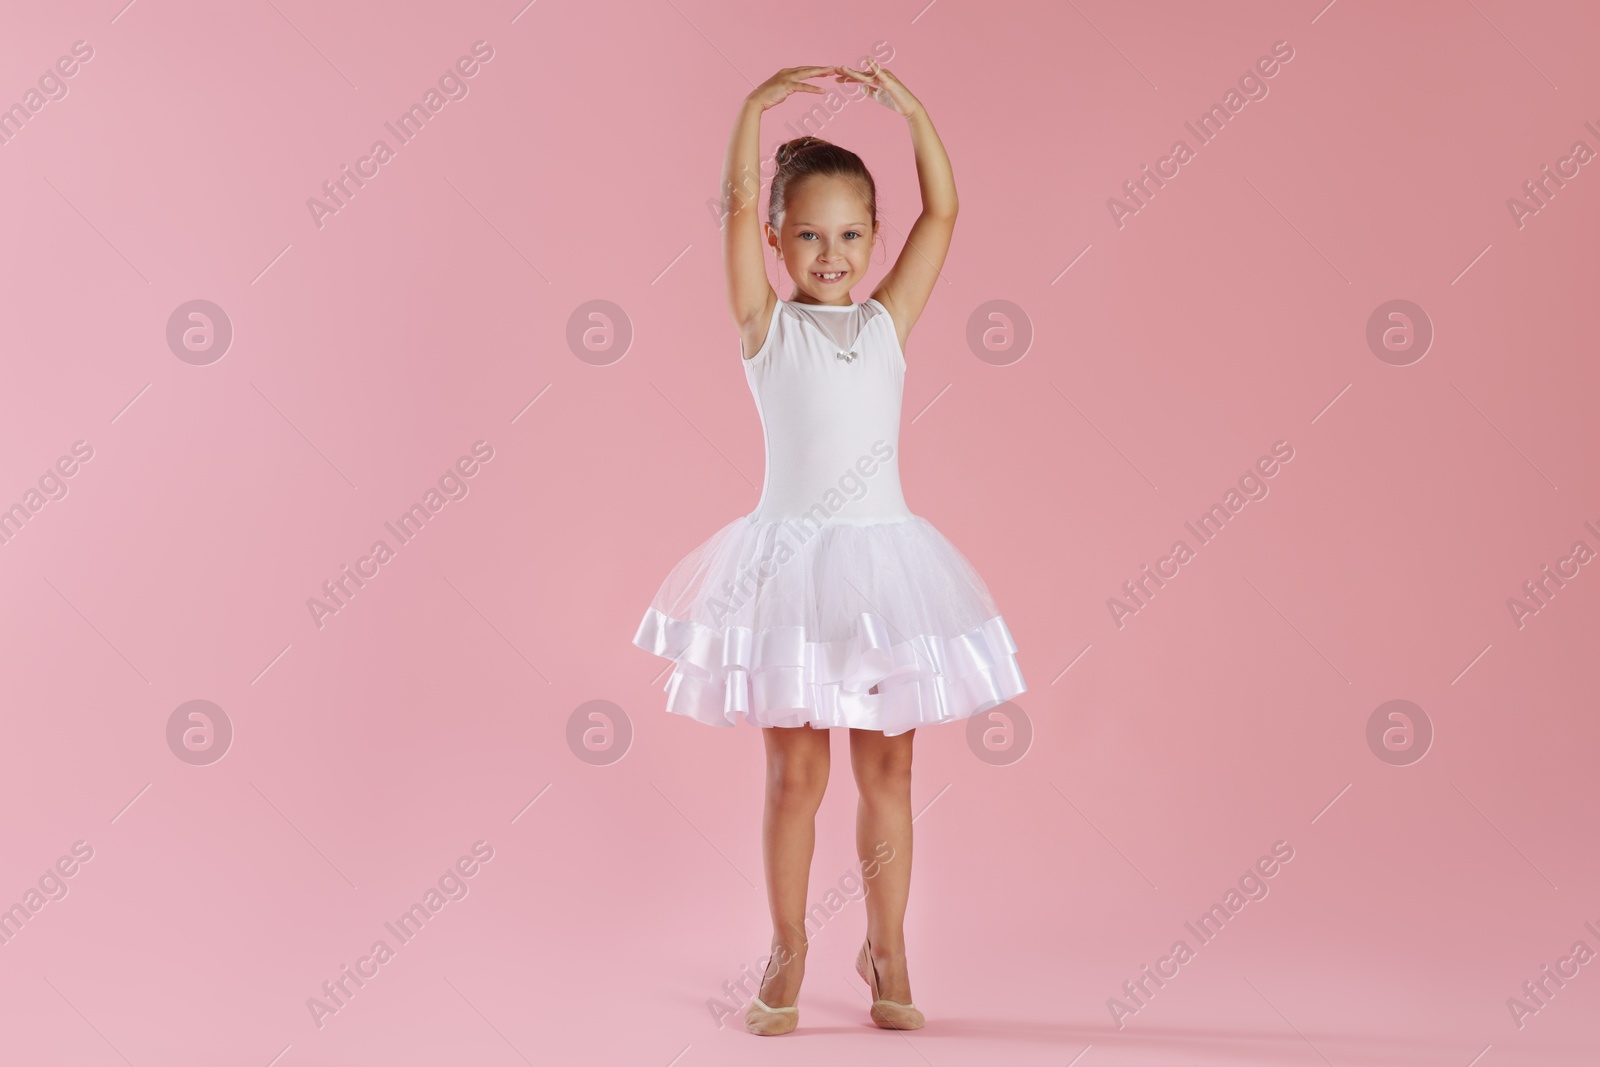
{"x":826,"y":238}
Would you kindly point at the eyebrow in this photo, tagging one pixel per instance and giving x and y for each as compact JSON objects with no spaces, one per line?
{"x":817,"y":226}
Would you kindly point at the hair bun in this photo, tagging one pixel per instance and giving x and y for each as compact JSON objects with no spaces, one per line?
{"x":789,"y":149}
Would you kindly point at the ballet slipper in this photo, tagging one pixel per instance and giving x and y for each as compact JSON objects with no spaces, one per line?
{"x":765,"y":1021}
{"x":889,"y":1014}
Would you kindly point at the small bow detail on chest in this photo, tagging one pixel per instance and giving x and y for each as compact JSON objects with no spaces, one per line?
{"x":847,"y":357}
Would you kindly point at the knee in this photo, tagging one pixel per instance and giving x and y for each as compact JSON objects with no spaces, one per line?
{"x":889,"y":777}
{"x":798,"y":780}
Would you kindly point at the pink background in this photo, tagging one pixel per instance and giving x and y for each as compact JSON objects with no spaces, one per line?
{"x":369,"y":354}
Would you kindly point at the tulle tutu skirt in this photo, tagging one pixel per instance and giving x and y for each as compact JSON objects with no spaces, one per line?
{"x":791,"y":624}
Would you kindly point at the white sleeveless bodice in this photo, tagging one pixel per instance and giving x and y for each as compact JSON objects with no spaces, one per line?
{"x":831,"y":420}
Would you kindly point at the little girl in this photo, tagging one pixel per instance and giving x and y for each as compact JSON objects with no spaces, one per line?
{"x":831,"y":605}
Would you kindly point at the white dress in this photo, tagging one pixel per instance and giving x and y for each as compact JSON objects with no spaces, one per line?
{"x":792,"y":614}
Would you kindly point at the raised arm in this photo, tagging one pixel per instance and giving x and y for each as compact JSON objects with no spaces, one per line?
{"x":750,"y":295}
{"x":909,"y":283}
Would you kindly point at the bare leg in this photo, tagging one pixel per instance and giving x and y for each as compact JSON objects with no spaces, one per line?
{"x":882,"y":767}
{"x":797,"y":774}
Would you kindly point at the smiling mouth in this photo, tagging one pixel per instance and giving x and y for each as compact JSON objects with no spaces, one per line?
{"x":831,"y":276}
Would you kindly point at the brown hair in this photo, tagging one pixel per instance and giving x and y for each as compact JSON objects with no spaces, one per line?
{"x":805,"y":156}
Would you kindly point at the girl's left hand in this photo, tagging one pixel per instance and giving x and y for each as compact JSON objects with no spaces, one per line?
{"x":884,"y":87}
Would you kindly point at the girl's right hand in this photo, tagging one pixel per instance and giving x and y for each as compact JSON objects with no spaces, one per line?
{"x":776,"y":89}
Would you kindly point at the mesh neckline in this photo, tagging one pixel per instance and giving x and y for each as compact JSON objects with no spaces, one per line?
{"x":827,"y":307}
